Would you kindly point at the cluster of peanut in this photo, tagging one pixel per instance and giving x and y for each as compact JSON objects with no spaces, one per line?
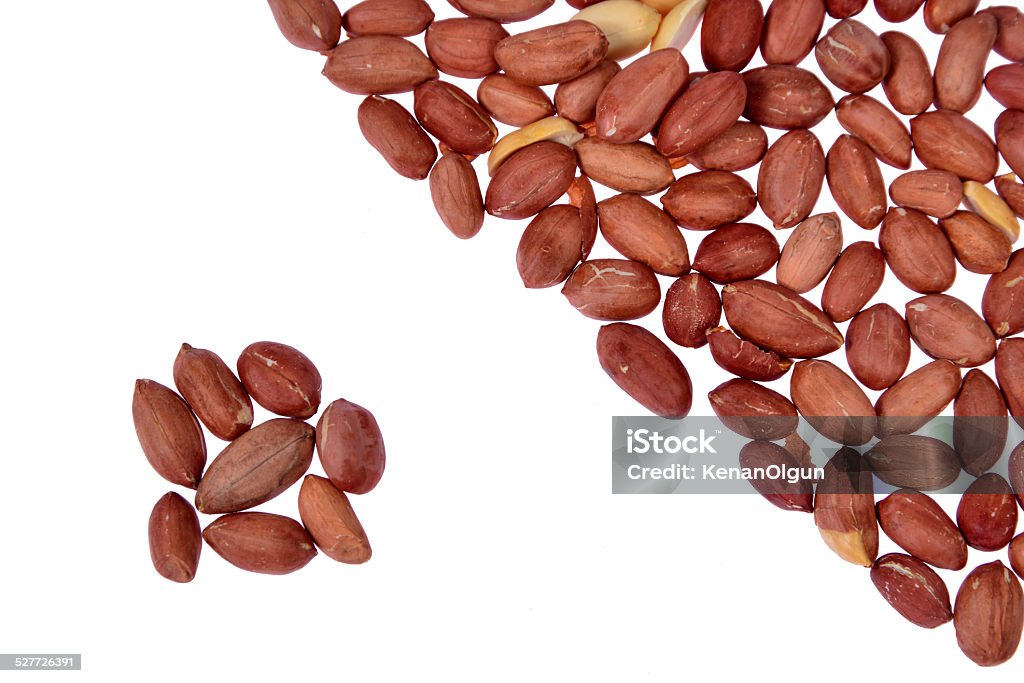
{"x":595,"y":126}
{"x":258,"y":464}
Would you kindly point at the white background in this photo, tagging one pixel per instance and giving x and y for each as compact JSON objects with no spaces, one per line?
{"x":179,"y":172}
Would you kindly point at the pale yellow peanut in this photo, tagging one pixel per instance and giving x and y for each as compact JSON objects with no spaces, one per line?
{"x":552,"y":128}
{"x":992,"y":208}
{"x":629,"y":25}
{"x":678,"y":26}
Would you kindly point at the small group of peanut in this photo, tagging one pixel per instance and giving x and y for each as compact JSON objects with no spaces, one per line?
{"x":258,"y":464}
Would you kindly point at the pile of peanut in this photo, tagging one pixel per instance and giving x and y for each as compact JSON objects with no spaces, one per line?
{"x":627,"y":113}
{"x":258,"y":464}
